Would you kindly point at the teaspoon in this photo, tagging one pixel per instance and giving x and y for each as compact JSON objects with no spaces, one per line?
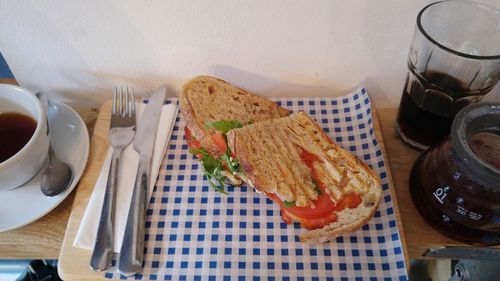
{"x":57,"y":176}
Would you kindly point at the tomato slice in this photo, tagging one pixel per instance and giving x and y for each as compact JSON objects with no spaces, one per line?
{"x":350,"y":200}
{"x":219,"y":141}
{"x":309,"y":217}
{"x":320,"y":208}
{"x":323,"y":206}
{"x":319,"y":222}
{"x":323,"y":210}
{"x":192,"y":142}
{"x":309,"y":158}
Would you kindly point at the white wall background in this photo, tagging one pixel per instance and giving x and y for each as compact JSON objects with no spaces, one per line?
{"x":78,"y":50}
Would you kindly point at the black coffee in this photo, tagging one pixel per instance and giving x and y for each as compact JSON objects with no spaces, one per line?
{"x":15,"y":131}
{"x":422,"y":126}
{"x":429,"y":102}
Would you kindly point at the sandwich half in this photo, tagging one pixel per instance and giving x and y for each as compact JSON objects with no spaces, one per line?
{"x":315,"y":182}
{"x":211,"y":107}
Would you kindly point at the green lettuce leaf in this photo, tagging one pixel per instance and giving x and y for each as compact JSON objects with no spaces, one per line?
{"x":224,"y":125}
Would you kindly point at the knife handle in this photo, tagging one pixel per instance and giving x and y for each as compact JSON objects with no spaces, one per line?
{"x":132,"y":250}
{"x":103,"y":247}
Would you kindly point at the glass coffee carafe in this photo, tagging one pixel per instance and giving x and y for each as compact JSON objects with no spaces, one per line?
{"x":456,"y":185}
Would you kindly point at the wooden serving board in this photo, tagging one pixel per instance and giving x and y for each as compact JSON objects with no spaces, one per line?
{"x":74,"y":262}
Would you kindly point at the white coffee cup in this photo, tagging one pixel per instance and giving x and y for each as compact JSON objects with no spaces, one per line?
{"x":25,"y":164}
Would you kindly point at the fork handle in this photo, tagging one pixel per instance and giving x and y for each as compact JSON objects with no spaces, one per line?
{"x":103,"y":248}
{"x":132,"y":250}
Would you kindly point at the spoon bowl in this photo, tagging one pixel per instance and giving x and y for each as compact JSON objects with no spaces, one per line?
{"x":57,"y":175}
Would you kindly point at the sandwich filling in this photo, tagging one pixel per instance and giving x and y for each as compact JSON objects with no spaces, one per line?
{"x":222,"y":170}
{"x":323,"y":210}
{"x":317,"y":211}
{"x":296,"y":164}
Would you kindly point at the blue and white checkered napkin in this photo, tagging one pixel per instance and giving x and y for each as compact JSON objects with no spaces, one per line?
{"x":196,"y":233}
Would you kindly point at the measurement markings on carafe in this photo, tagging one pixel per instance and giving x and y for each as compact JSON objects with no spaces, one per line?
{"x":441,"y":193}
{"x":475,"y":216}
{"x":462,"y":211}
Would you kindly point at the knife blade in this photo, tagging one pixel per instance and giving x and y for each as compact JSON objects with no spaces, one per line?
{"x":132,"y":249}
{"x":146,"y":128}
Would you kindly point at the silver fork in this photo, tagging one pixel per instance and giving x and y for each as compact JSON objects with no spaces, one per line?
{"x":121,"y":134}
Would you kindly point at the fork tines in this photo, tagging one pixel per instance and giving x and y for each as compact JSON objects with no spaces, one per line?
{"x":124,"y":107}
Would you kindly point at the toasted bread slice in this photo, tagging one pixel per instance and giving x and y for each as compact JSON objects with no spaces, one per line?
{"x":289,"y":157}
{"x":206,"y":99}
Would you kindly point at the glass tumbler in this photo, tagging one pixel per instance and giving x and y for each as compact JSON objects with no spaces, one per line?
{"x":454,"y":61}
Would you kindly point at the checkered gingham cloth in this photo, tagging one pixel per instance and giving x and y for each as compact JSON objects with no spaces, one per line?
{"x":196,"y":233}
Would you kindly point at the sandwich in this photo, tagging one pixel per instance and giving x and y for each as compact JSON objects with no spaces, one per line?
{"x":315,"y":182}
{"x":241,"y":137}
{"x":211,"y":107}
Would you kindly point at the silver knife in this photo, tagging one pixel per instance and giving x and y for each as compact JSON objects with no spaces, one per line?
{"x":132,"y":250}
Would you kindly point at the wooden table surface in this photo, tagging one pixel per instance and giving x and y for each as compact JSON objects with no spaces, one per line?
{"x":43,"y":238}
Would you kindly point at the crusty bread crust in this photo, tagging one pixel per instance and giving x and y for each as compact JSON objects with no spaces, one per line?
{"x":348,"y":220}
{"x":268,"y":157}
{"x":205,"y":99}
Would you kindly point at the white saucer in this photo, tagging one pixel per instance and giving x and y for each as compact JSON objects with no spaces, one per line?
{"x":25,"y":204}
